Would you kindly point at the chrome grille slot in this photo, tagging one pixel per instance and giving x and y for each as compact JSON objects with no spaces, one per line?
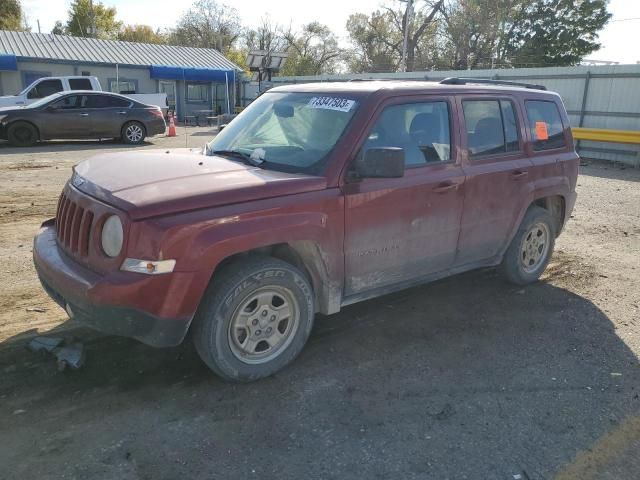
{"x":73,"y":226}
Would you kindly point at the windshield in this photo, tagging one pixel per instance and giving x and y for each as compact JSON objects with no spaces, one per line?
{"x":44,"y":101}
{"x":292,"y":132}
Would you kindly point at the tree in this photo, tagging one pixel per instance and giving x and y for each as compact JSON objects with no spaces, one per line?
{"x":141,"y":34}
{"x":208,"y":24}
{"x":378,"y":39}
{"x":11,"y":16}
{"x":58,"y":28}
{"x":314,"y":51}
{"x":554,"y":32}
{"x":92,"y":22}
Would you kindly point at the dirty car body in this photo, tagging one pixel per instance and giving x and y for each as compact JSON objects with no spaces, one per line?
{"x":300,"y":178}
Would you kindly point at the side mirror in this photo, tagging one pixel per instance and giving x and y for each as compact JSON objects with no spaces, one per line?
{"x":387,"y":162}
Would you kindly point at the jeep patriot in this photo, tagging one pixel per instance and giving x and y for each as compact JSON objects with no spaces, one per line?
{"x":316,"y":196}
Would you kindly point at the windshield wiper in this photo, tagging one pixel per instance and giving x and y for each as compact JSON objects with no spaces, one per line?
{"x":238,"y":154}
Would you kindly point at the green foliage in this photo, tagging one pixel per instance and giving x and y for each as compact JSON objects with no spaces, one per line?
{"x":82,"y":19}
{"x":313,"y":51}
{"x":11,"y":16}
{"x":141,"y":34}
{"x":556,"y":32}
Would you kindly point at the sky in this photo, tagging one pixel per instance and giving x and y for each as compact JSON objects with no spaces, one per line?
{"x":618,"y":39}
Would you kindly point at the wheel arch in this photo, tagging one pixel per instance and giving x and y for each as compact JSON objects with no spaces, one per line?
{"x":22,"y":120}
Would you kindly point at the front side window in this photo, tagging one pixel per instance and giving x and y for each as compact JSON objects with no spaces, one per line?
{"x":67,"y":103}
{"x":197,"y":92}
{"x":420,"y":129}
{"x":491,"y":127}
{"x":45,"y":88}
{"x":291,"y":132}
{"x":545,"y":125}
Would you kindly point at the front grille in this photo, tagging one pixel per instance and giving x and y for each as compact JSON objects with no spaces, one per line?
{"x":73,"y":226}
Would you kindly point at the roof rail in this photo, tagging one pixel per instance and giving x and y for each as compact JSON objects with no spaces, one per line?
{"x":487,"y":81}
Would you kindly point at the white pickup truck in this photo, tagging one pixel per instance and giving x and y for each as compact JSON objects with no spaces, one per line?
{"x":43,"y":87}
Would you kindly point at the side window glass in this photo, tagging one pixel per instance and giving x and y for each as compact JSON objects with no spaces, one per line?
{"x":492,"y":127}
{"x":97,"y":101}
{"x":420,"y":129}
{"x":118,"y":102}
{"x":545,"y":125}
{"x":80,"y":84}
{"x":66,"y":103}
{"x":45,"y":88}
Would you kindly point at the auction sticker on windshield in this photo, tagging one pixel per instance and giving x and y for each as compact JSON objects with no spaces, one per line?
{"x":332,"y":103}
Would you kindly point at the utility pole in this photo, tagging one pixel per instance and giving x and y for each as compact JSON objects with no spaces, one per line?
{"x":408,"y":18}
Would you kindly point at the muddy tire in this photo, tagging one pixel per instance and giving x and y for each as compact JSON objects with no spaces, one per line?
{"x":254,"y":320}
{"x":133,"y":133}
{"x":531,"y":248}
{"x":22,"y":134}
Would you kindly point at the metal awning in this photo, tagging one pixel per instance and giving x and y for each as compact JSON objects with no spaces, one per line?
{"x":8,"y":61}
{"x":171,"y":72}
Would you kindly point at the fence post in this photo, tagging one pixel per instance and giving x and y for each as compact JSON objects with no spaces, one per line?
{"x":585,"y":97}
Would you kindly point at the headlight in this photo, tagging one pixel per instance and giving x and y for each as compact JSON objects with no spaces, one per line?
{"x":2,"y":117}
{"x":112,"y":236}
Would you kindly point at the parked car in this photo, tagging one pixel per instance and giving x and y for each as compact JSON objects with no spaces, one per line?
{"x":315,"y":197}
{"x":45,"y":86}
{"x":81,"y":115}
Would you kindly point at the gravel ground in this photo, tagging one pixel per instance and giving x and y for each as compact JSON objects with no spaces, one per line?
{"x":466,"y":378}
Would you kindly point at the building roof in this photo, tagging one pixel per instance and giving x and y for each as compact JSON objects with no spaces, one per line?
{"x":61,"y":47}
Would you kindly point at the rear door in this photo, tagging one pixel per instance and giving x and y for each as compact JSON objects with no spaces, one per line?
{"x":108,"y":113}
{"x":497,"y":172}
{"x":400,"y":229}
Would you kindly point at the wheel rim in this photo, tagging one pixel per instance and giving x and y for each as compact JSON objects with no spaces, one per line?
{"x":535,"y":246}
{"x":264,"y":325}
{"x":134,"y":133}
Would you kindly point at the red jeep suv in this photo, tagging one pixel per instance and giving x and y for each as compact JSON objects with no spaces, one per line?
{"x":315,"y":197}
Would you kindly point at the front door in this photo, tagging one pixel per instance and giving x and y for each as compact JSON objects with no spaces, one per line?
{"x":169,"y":88}
{"x":65,"y":118}
{"x":497,"y":173}
{"x":401,"y":229}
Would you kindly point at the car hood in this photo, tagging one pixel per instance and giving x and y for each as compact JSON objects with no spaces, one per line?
{"x":160,"y":182}
{"x":15,"y":108}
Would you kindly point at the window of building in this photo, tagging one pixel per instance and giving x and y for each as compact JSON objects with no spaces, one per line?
{"x":420,"y":129}
{"x":85,"y":73}
{"x":45,"y":88}
{"x":545,"y":125}
{"x":80,"y":84}
{"x":491,"y":127}
{"x":123,"y":85}
{"x":197,"y":92}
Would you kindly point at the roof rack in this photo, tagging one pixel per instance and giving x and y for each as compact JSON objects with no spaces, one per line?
{"x":487,"y":81}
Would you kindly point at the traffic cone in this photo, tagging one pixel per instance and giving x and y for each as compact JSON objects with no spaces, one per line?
{"x":172,"y":126}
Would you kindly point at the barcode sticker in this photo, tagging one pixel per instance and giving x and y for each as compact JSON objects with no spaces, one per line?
{"x":332,"y":103}
{"x":541,"y":131}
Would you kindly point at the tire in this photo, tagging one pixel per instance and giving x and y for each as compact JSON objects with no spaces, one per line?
{"x":133,"y":133}
{"x":531,"y":248}
{"x":242,"y":331}
{"x":22,"y":134}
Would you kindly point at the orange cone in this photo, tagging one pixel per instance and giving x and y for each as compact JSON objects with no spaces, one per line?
{"x":172,"y":126}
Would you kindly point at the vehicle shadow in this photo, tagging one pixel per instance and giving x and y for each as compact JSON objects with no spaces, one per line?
{"x":68,"y":145}
{"x":463,"y":378}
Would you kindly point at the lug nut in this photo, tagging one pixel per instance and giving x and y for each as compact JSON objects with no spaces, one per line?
{"x":264,"y":313}
{"x":254,"y":322}
{"x":258,"y":332}
{"x":273,"y":318}
{"x":269,"y":330}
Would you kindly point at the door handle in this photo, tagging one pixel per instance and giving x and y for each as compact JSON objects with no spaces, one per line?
{"x":84,"y":114}
{"x":122,"y":113}
{"x":518,"y":174}
{"x":446,"y":187}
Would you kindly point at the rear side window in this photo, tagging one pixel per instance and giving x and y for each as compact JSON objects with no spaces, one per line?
{"x":118,"y":102}
{"x":106,"y":101}
{"x":491,"y":127}
{"x":80,"y":84}
{"x":45,"y":88}
{"x":545,"y":125}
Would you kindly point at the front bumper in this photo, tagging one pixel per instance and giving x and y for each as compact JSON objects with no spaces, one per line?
{"x":109,"y":303}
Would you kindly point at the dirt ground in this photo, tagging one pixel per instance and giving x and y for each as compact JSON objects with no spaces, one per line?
{"x":466,"y":378}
